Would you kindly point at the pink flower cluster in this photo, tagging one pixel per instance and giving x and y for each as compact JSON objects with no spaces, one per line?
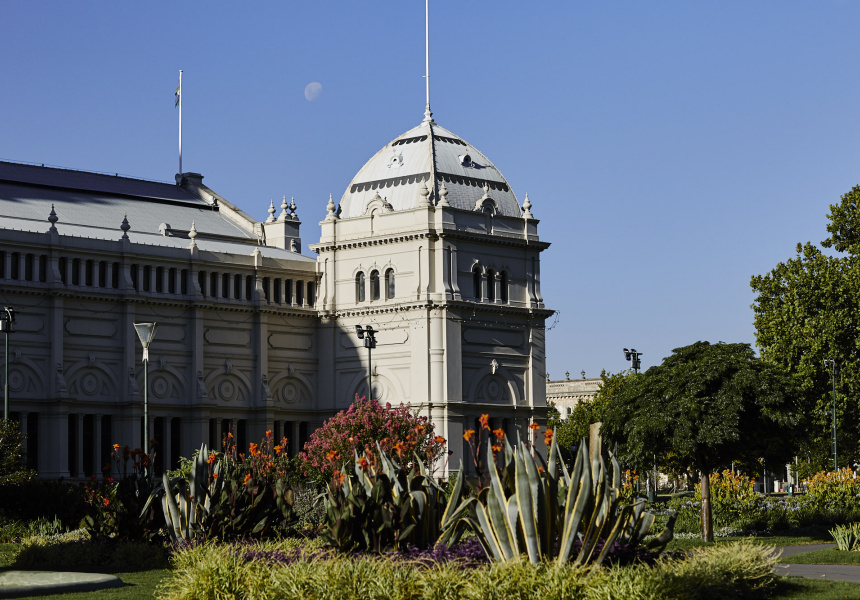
{"x":400,"y":433}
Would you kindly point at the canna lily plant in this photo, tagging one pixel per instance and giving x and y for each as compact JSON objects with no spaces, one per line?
{"x":542,"y":510}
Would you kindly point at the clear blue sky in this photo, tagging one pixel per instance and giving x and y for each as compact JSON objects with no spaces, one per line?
{"x":670,"y":149}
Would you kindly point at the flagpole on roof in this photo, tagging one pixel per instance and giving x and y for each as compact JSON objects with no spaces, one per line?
{"x":179,"y":93}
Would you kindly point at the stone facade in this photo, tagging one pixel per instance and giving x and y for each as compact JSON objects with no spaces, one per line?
{"x":252,"y":335}
{"x":567,"y":393}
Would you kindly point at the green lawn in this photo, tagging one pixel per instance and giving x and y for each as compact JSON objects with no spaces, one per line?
{"x":767,"y":540}
{"x":801,"y":588}
{"x":827,"y":556}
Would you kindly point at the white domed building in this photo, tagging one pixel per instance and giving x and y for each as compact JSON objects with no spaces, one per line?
{"x":428,"y":246}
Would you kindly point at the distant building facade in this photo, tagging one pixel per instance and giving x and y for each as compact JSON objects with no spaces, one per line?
{"x":428,"y":245}
{"x":566,"y":393}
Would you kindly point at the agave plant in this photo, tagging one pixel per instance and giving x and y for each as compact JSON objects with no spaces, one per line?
{"x":543,"y":510}
{"x":384,"y":505}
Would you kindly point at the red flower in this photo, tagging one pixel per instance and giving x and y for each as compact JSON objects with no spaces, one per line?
{"x":534,"y":426}
{"x":106,"y":501}
{"x":499,"y":433}
{"x":468,"y":435}
{"x":485,"y":421}
{"x":247,"y":479}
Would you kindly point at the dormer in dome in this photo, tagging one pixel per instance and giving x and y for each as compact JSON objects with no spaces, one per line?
{"x":428,"y":155}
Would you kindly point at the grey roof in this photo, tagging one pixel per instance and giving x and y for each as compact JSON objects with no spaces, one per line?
{"x":399,"y":171}
{"x":91,"y":205}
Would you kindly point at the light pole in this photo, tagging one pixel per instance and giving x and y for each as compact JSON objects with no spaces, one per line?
{"x":368,"y":335}
{"x":829,"y":362}
{"x":633,"y":357}
{"x":7,"y":317}
{"x":146,"y":333}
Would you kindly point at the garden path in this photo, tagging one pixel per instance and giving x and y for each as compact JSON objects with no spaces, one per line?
{"x":849,"y":573}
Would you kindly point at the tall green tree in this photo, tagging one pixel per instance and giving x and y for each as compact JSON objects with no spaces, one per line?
{"x":808,"y":310}
{"x":706,"y":405}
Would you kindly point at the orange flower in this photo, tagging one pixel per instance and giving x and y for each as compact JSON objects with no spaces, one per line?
{"x":116,"y":447}
{"x":230,"y":435}
{"x":331,"y":455}
{"x":106,"y":501}
{"x":439,"y":439}
{"x":400,"y":448}
{"x":540,"y":470}
{"x":547,"y":437}
{"x":534,"y":426}
{"x":499,"y":433}
{"x":215,"y":476}
{"x":278,"y":450}
{"x":485,"y":421}
{"x":468,"y":435}
{"x":496,"y":448}
{"x":247,"y":479}
{"x":362,"y":462}
{"x":212,"y":458}
{"x":269,"y":433}
{"x":252,"y":448}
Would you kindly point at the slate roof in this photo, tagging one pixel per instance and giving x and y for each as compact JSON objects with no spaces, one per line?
{"x":92,"y":205}
{"x":399,"y":170}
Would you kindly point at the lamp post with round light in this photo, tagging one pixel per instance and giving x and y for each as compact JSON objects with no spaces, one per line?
{"x":146,"y":333}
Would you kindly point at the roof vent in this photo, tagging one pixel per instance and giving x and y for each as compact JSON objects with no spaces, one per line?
{"x":465,"y":160}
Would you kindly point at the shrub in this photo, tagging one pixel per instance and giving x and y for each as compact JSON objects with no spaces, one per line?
{"x":833,"y":490}
{"x":77,"y":551}
{"x":847,"y":537}
{"x":40,"y":499}
{"x":114,"y":507}
{"x":358,"y":429}
{"x":230,"y":495}
{"x":12,"y":470}
{"x":740,"y":570}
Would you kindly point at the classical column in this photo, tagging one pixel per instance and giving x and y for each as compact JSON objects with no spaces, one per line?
{"x":97,"y":445}
{"x":166,"y":443}
{"x":79,"y":450}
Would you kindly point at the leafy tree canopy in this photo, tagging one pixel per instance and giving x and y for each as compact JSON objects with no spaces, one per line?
{"x":807,"y":310}
{"x":705,"y":405}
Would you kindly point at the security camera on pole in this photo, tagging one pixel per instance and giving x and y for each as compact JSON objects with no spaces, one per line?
{"x":368,"y":335}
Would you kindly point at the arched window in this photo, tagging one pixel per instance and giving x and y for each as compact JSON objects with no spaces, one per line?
{"x":374,"y":285}
{"x":503,"y":276}
{"x":359,"y":287}
{"x":491,"y":285}
{"x":476,"y":281}
{"x":389,"y":284}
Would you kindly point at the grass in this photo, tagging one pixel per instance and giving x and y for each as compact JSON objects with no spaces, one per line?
{"x":767,"y":540}
{"x":827,"y":556}
{"x":801,"y":588}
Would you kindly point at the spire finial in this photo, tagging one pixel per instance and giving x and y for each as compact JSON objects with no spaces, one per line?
{"x":424,"y":201}
{"x":527,"y":213}
{"x":443,"y":195}
{"x":331,"y":216}
{"x":192,"y":233}
{"x":271,"y":218}
{"x":125,"y":227}
{"x":293,"y":208}
{"x":283,"y":216}
{"x":52,"y":219}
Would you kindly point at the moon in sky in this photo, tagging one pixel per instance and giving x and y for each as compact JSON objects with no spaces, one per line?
{"x":313,"y":91}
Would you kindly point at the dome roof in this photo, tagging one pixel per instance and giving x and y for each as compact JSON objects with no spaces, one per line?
{"x":399,"y":172}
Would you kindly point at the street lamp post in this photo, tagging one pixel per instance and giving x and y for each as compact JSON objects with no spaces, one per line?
{"x":829,"y":362}
{"x":368,"y":335}
{"x":633,"y":357}
{"x":146,"y":333}
{"x":7,"y":317}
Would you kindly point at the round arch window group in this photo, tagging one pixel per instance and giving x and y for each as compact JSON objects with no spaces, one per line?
{"x":378,"y":286}
{"x":496,"y":289}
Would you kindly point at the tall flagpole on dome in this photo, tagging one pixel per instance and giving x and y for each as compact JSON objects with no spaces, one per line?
{"x":428,"y":116}
{"x":179,"y":104}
